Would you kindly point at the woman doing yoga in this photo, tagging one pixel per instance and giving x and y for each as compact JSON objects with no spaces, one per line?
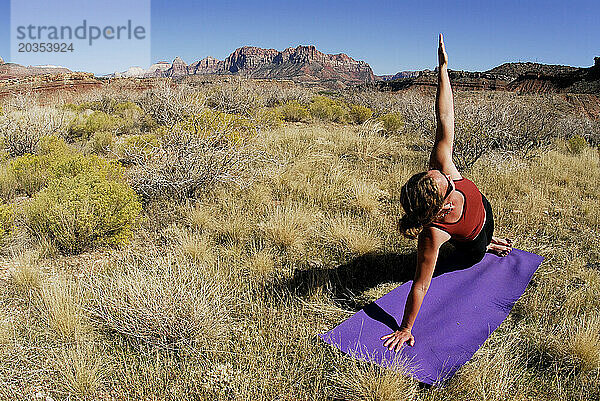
{"x":441,"y":205}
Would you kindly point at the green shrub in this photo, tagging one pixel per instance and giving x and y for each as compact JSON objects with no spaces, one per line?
{"x":28,"y":174}
{"x":84,"y":126}
{"x":106,"y":104}
{"x":328,"y":109}
{"x":23,"y":175}
{"x":128,"y":110}
{"x":293,"y":111}
{"x":392,"y":122}
{"x":85,"y":202}
{"x":53,"y":144}
{"x":268,"y":118}
{"x":209,"y":122}
{"x":100,"y":142}
{"x":143,"y":142}
{"x":77,"y":212}
{"x":359,"y":114}
{"x":137,"y":148}
{"x":6,"y":220}
{"x":134,"y":118}
{"x":576,"y":144}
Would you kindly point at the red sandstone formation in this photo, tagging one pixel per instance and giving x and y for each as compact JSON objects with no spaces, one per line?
{"x":300,"y":64}
{"x":49,"y":83}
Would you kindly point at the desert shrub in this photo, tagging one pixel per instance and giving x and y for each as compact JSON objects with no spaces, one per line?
{"x":134,"y":117}
{"x":186,"y":164}
{"x":128,"y":110}
{"x":23,"y":175}
{"x":85,"y":126}
{"x":531,"y":126}
{"x":576,"y":144}
{"x":392,"y":122}
{"x":266,"y":118}
{"x":101,"y":142}
{"x":359,"y":114}
{"x":108,"y":114}
{"x":105,"y":104}
{"x":571,"y":126}
{"x":499,"y":123}
{"x":382,"y":102}
{"x":275,"y":95}
{"x":327,"y":109}
{"x":22,"y":130}
{"x":229,"y":127}
{"x":137,"y":147}
{"x":53,"y":144}
{"x":293,"y":111}
{"x":28,"y":174}
{"x":86,"y":203}
{"x":236,"y":96}
{"x":141,"y":141}
{"x":6,"y":219}
{"x":167,"y":105}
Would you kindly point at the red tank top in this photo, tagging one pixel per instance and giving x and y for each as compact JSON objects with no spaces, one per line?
{"x":473,"y":214}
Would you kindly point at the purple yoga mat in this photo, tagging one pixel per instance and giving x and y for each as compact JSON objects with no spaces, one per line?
{"x":460,"y":311}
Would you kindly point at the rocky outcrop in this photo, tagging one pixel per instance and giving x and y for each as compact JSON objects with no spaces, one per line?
{"x":1,"y":60}
{"x":539,"y":78}
{"x":71,"y":82}
{"x":178,"y":68}
{"x":157,"y":70}
{"x":461,"y":80}
{"x":399,"y":75}
{"x":208,"y":65}
{"x":515,"y":70}
{"x":300,"y":64}
{"x":15,"y":71}
{"x":249,"y":58}
{"x":516,"y":77}
{"x":132,"y":72}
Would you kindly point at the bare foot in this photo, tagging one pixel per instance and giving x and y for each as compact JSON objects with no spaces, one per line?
{"x":502,"y":241}
{"x":500,"y":250}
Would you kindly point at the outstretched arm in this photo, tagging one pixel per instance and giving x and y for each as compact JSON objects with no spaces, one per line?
{"x":441,"y":154}
{"x":428,"y":247}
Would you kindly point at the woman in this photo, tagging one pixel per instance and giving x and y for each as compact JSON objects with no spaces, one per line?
{"x":442,"y":206}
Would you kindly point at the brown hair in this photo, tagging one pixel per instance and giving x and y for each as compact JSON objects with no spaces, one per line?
{"x":421,"y":201}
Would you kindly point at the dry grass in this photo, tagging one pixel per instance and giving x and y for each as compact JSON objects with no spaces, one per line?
{"x":61,"y":305}
{"x":584,"y":344}
{"x":367,"y":382}
{"x":289,"y":226}
{"x":222,"y":298}
{"x":80,"y":369}
{"x":348,"y":237}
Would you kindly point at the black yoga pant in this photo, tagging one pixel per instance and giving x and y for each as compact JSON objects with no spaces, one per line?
{"x":471,"y":252}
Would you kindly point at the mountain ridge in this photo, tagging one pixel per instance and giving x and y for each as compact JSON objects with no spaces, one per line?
{"x":303,"y":63}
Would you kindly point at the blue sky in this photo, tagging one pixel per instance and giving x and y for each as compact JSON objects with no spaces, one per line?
{"x":391,"y":36}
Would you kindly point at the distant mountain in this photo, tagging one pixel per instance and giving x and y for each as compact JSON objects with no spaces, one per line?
{"x":300,"y":64}
{"x":399,"y":75}
{"x":518,"y":77}
{"x":12,"y":71}
{"x":515,"y":70}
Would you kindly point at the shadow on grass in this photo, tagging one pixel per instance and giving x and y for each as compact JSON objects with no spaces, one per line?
{"x":348,"y":281}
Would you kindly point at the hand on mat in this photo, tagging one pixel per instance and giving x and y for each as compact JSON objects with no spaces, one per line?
{"x":398,"y":338}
